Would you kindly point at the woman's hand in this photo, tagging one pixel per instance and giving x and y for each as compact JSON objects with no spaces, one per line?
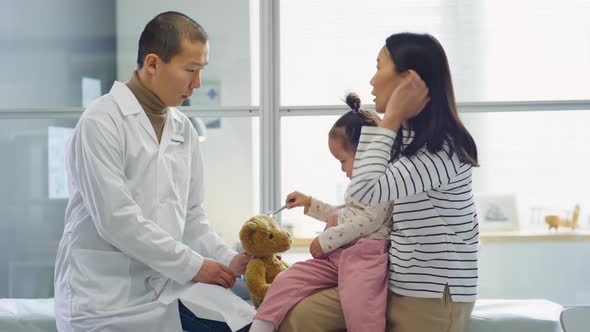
{"x":315,"y":249}
{"x":296,"y":199}
{"x":406,"y":101}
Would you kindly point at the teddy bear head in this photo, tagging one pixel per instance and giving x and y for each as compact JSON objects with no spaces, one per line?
{"x":262,"y":237}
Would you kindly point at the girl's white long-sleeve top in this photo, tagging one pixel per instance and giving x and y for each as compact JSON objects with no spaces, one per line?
{"x":435,"y":234}
{"x":355,"y":220}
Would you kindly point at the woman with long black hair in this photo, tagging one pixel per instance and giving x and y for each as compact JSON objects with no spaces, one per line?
{"x":421,"y":157}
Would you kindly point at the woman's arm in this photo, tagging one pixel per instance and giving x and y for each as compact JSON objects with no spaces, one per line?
{"x":376,"y":180}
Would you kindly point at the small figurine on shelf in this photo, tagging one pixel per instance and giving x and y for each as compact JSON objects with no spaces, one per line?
{"x":555,"y":221}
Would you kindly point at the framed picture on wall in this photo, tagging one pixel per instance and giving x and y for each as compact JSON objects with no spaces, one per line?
{"x":209,"y":94}
{"x":496,"y":212}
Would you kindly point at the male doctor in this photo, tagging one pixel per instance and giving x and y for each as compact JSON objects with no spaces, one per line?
{"x":135,"y":224}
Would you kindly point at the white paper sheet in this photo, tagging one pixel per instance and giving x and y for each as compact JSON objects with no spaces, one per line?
{"x":211,"y":302}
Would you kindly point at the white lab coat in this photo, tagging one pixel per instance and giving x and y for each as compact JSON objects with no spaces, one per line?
{"x":135,"y":229}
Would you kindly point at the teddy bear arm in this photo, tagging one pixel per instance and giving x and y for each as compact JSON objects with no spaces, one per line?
{"x":256,"y":278}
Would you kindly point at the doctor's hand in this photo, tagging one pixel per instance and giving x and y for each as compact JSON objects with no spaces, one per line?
{"x":240,"y":262}
{"x":215,"y":273}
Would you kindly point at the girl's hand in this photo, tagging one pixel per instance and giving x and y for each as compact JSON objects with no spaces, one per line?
{"x":296,"y":199}
{"x":405,"y":102}
{"x":333,"y":219}
{"x":315,"y":249}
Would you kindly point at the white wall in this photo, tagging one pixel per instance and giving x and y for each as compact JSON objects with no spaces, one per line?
{"x":230,"y":191}
{"x":551,"y":270}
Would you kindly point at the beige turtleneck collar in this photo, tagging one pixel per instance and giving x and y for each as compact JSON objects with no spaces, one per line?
{"x":154,"y":107}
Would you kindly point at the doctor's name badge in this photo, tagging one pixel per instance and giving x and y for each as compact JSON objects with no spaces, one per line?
{"x":178,"y":137}
{"x":178,"y":133}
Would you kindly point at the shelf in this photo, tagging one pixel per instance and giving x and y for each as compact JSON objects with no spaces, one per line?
{"x":565,"y":235}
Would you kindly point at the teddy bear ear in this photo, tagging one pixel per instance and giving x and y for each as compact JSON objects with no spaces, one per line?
{"x":248,"y":229}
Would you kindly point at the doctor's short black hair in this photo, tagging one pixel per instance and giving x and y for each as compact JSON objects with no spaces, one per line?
{"x":163,"y":36}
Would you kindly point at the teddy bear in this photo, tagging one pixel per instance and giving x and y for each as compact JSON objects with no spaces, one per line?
{"x":262,"y":238}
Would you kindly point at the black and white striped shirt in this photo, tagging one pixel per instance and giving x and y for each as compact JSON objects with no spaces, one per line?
{"x":435,"y":235}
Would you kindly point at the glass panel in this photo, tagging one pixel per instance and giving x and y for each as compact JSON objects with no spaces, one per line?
{"x":32,"y":204}
{"x":497,"y":50}
{"x":68,"y":52}
{"x":539,"y":158}
{"x":231,"y":155}
{"x":231,"y":77}
{"x":522,"y":154}
{"x":56,"y":52}
{"x":308,"y":166}
{"x":33,"y":195}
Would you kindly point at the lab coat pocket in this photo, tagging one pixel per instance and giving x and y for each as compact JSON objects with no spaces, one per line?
{"x":103,"y":279}
{"x":156,"y":283}
{"x":180,"y":171}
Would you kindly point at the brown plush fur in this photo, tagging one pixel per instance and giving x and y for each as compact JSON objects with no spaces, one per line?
{"x":262,"y":238}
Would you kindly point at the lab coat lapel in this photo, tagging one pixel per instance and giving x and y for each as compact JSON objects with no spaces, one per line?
{"x":147,"y":125}
{"x":129,"y":105}
{"x":173,"y":130}
{"x":166,"y":133}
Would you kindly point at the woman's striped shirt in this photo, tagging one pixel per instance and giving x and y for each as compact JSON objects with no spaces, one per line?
{"x":435,"y":235}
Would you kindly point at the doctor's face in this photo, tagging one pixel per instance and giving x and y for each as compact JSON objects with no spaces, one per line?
{"x":174,"y":82}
